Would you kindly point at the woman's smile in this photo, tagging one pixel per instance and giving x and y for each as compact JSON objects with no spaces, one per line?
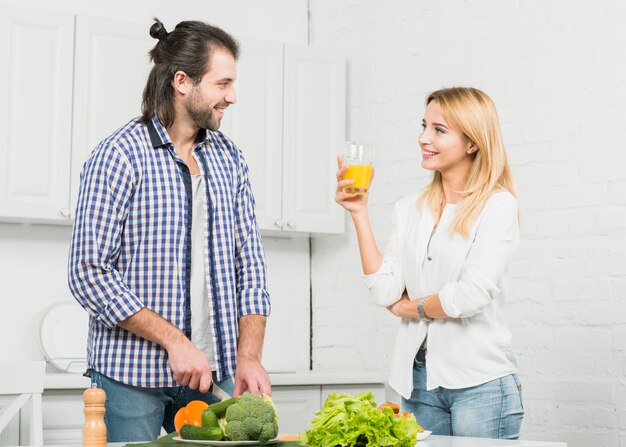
{"x":426,"y":154}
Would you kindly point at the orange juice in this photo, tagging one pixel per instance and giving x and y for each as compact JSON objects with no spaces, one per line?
{"x":361,"y":174}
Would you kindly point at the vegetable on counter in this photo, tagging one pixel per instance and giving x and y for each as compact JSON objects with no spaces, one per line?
{"x":347,"y":420}
{"x":243,"y":418}
{"x":396,"y":412}
{"x":219,"y":408}
{"x":189,"y":431}
{"x":251,"y":419}
{"x":190,"y":414}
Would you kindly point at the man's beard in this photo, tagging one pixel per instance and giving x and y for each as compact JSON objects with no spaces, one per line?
{"x":201,"y":114}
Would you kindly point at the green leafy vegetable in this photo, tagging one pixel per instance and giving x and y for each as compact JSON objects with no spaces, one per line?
{"x":250,"y":418}
{"x":347,"y":420}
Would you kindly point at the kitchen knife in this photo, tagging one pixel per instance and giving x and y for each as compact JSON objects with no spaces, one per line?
{"x":217,"y":391}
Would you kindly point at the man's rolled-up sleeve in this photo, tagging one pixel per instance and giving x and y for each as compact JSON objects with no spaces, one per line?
{"x":252,"y":295}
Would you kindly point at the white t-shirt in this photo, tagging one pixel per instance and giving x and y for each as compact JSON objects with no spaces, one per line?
{"x":201,"y":305}
{"x":474,"y":346}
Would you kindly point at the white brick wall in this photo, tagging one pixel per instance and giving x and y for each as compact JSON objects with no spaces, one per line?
{"x":557,"y":72}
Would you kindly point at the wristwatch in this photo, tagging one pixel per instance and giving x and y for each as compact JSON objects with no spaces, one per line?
{"x":420,"y":309}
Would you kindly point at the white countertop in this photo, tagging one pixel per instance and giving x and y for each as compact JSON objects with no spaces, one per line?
{"x":446,"y":441}
{"x":460,"y":441}
{"x":64,"y":381}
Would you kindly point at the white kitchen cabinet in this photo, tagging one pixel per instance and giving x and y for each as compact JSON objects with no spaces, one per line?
{"x":87,"y":80}
{"x":11,"y":434}
{"x":313,"y":133}
{"x":289,"y":121}
{"x":296,"y":406}
{"x":255,"y":124}
{"x":110,"y":72}
{"x":63,"y":417}
{"x":63,"y":89}
{"x":36,"y":49}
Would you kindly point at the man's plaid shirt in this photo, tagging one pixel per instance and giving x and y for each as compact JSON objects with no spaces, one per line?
{"x":131,"y":248}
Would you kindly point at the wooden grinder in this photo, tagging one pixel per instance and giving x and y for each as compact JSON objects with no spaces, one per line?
{"x":94,"y":430}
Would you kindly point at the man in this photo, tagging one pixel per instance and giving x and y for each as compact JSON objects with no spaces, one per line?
{"x":166,"y":255}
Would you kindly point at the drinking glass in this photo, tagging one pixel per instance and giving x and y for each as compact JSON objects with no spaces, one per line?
{"x":359,"y":159}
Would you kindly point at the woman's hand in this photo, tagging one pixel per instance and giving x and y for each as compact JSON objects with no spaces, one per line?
{"x":403,"y":308}
{"x":353,"y":202}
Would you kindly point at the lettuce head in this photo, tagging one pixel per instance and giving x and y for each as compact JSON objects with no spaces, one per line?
{"x":347,"y":420}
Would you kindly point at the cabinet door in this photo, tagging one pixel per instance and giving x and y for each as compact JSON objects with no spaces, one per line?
{"x":254,"y":123}
{"x":111,"y":70}
{"x":314,"y":132}
{"x":296,"y":407}
{"x":36,"y":49}
{"x":63,"y":417}
{"x":11,"y":434}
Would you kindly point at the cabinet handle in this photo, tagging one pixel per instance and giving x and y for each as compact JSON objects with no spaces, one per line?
{"x":291,"y":224}
{"x":279,"y":223}
{"x":65,"y":212}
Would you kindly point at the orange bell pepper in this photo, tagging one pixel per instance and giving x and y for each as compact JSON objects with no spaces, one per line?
{"x":191,"y":414}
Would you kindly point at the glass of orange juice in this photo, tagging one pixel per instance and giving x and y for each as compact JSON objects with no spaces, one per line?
{"x":359,"y":159}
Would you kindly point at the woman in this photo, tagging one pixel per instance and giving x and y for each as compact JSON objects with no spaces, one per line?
{"x":442,"y":273}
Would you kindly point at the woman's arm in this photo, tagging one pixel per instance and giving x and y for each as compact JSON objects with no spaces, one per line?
{"x":407,"y":308}
{"x":496,"y":239}
{"x":371,"y":258}
{"x":356,"y":205}
{"x":383,"y":275}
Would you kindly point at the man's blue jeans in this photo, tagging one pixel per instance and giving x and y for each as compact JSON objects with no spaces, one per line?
{"x":137,"y":414}
{"x":491,"y":410}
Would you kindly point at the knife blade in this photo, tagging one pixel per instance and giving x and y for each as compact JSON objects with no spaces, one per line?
{"x":217,"y":391}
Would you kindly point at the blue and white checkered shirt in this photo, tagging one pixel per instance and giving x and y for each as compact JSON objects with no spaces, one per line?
{"x":131,"y":248}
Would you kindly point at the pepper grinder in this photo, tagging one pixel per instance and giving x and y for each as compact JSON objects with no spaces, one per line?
{"x":94,"y":429}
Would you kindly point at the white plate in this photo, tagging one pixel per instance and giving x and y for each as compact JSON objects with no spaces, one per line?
{"x":223,"y":443}
{"x":63,"y":336}
{"x":423,"y":435}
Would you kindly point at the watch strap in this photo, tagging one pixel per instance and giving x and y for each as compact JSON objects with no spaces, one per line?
{"x":420,"y":309}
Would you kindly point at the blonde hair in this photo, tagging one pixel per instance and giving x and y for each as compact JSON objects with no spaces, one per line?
{"x":474,"y":113}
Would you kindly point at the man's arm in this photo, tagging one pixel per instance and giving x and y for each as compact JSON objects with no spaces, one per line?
{"x":105,"y":195}
{"x":106,"y":190}
{"x":250,"y":374}
{"x":253,"y":303}
{"x":189,"y":364}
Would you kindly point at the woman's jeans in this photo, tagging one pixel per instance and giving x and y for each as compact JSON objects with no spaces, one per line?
{"x":491,"y":410}
{"x":137,"y":414}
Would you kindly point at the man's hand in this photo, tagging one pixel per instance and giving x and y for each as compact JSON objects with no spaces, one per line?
{"x":251,"y":376}
{"x":189,"y":365}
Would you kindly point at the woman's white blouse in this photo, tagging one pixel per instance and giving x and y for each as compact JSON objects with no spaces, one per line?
{"x":474,"y":345}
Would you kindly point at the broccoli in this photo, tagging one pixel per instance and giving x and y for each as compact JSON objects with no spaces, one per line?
{"x":235,"y":431}
{"x":253,"y":427}
{"x":269,"y":431}
{"x":251,"y":418}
